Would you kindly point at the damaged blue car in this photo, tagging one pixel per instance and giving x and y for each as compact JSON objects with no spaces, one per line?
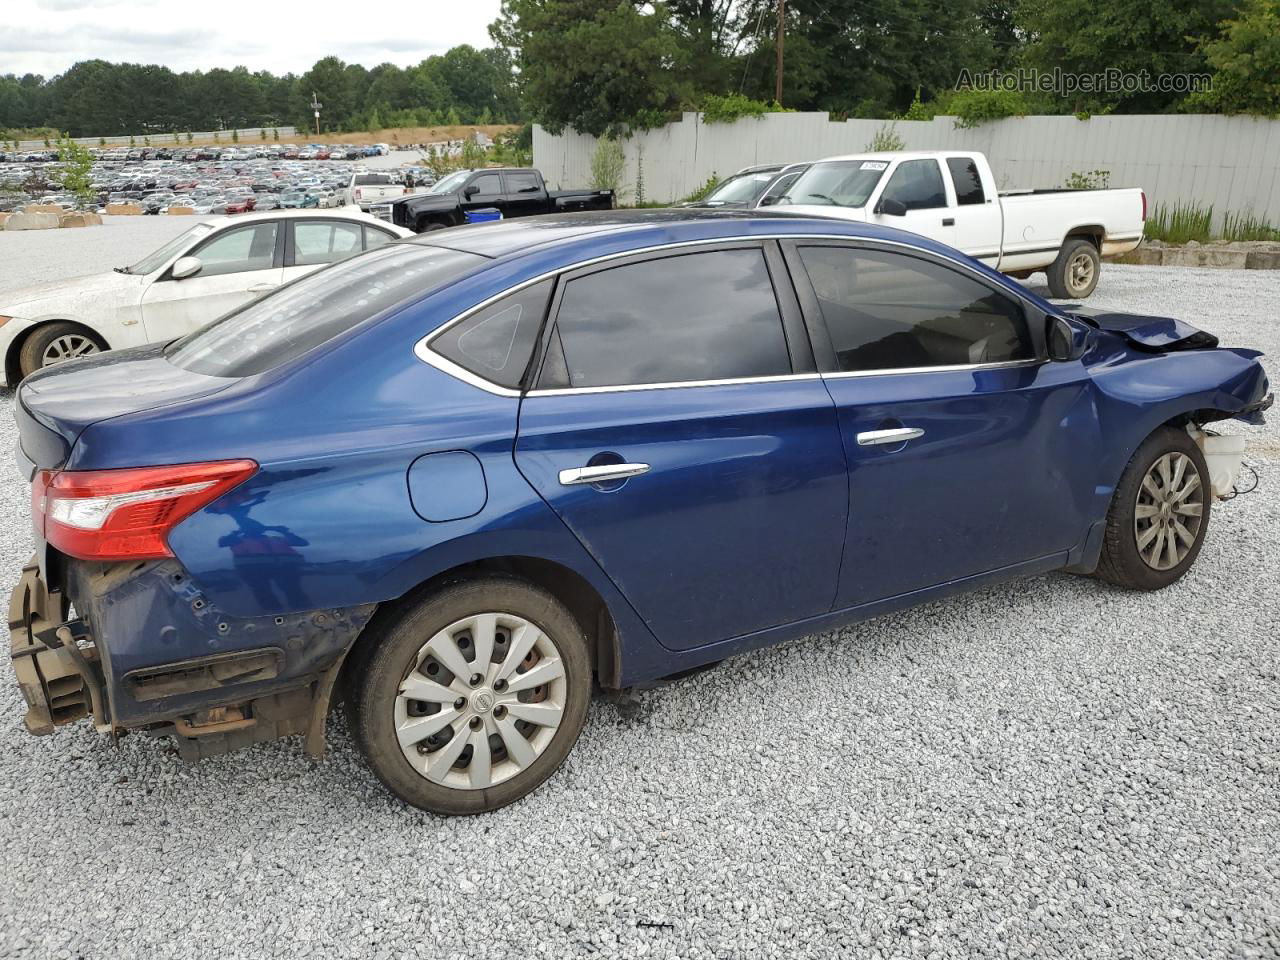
{"x":457,"y":480}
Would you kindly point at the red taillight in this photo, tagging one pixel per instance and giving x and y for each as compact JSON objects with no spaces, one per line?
{"x":126,"y":514}
{"x":1144,"y":205}
{"x":358,"y":193}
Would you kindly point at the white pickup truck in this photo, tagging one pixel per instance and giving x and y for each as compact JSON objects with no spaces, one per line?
{"x":951,"y":196}
{"x":366,"y":189}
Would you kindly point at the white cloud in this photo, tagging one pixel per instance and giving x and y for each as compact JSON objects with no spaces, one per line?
{"x":48,"y":36}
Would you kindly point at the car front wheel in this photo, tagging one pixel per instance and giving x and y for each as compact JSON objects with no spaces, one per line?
{"x":54,"y":343}
{"x":1159,"y":513}
{"x":473,"y":696}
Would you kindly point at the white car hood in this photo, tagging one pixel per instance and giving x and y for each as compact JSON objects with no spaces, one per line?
{"x":97,"y":290}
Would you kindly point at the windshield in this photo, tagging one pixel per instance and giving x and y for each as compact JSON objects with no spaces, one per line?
{"x":744,"y":189}
{"x":842,"y":183}
{"x":154,"y":261}
{"x":451,"y":182}
{"x":302,"y":315}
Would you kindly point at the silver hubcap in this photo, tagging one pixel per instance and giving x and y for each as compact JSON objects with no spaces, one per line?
{"x":1080,"y":271}
{"x":1169,"y":511}
{"x":68,"y":347}
{"x":481,"y":701}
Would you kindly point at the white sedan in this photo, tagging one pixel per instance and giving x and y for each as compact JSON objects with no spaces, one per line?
{"x":213,"y":268}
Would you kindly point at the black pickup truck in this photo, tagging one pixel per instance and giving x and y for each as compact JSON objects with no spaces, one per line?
{"x":470,"y":195}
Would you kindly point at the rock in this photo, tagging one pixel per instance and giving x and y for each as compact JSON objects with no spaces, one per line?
{"x":181,"y":211}
{"x":43,"y":208}
{"x":1262,"y":260}
{"x":79,"y":218}
{"x":32,"y":221}
{"x":123,"y":210}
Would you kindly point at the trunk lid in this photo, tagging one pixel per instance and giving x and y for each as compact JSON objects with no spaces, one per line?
{"x":1152,"y":334}
{"x":55,"y":405}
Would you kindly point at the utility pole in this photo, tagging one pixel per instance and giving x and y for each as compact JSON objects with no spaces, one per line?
{"x":315,"y":106}
{"x":777,"y":88}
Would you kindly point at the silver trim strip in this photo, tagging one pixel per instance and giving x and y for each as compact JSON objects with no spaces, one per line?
{"x":602,"y":473}
{"x":952,"y":368}
{"x":875,"y":438}
{"x":428,"y":356}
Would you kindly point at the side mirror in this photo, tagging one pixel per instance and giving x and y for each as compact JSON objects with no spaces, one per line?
{"x":470,"y":191}
{"x":1065,"y":339}
{"x":185,"y":267}
{"x":891,"y":207}
{"x":768,"y":201}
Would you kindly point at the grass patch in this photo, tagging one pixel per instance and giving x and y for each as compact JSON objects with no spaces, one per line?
{"x":1245,"y":226}
{"x":1179,"y":223}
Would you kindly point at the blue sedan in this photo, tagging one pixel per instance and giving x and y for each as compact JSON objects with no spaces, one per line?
{"x":456,"y":479}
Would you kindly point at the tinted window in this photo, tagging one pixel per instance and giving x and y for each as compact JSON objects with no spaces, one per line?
{"x":887,"y":311}
{"x":917,"y":184}
{"x":487,"y":185}
{"x":371,"y":180}
{"x":781,"y":185}
{"x":964,"y":176}
{"x":497,"y":342}
{"x":323,"y":241}
{"x":290,"y":321}
{"x":703,"y":316}
{"x":235,"y":251}
{"x":522,"y":183}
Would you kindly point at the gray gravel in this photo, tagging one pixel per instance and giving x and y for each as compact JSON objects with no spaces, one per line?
{"x":1048,"y":768}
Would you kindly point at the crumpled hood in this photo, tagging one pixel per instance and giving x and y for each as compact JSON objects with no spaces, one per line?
{"x":38,"y":298}
{"x":1156,"y":334}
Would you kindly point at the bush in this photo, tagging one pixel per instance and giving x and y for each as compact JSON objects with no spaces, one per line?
{"x":1089,"y":180}
{"x":972,"y":108}
{"x":918,"y":110}
{"x":886,"y":140}
{"x":607,"y":165}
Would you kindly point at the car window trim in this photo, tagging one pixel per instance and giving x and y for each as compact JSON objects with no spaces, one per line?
{"x":422,"y":349}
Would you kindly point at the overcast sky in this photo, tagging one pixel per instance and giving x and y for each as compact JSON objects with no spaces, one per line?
{"x":48,"y":36}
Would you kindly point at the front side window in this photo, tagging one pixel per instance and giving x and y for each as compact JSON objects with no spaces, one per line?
{"x":240,"y":249}
{"x":889,"y":311}
{"x":302,"y":315}
{"x":917,"y":185}
{"x":323,"y":241}
{"x":496,"y":343}
{"x":486,"y":185}
{"x":701,"y":316}
{"x":965,"y":178}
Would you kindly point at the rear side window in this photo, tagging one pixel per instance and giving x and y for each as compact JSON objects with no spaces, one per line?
{"x":701,"y":316}
{"x":522,"y":182}
{"x":497,"y":342}
{"x":964,"y":176}
{"x":373,"y":237}
{"x":302,"y":315}
{"x":888,"y":311}
{"x":323,"y":241}
{"x":917,"y":184}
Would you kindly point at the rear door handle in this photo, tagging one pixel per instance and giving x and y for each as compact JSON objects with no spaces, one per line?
{"x":262,"y":287}
{"x":602,"y":473}
{"x":874,"y":438}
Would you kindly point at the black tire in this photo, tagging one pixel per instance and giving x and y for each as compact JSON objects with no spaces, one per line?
{"x":1065,"y":280}
{"x":428,"y":226}
{"x":1121,"y":562}
{"x":385,"y":659}
{"x":31,"y":356}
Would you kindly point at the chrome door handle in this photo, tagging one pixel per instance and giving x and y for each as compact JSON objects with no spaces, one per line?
{"x":262,"y":287}
{"x":602,"y":473}
{"x":873,"y":438}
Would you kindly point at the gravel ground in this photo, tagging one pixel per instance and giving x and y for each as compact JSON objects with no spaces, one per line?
{"x":1048,"y":768}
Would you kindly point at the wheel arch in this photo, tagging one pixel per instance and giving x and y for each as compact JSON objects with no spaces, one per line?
{"x":568,"y":586}
{"x":12,"y":365}
{"x":1094,"y":232}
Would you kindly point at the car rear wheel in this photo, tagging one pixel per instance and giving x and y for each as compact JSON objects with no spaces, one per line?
{"x":1159,"y":513}
{"x":1074,"y":275}
{"x":472,"y":697}
{"x":54,"y":343}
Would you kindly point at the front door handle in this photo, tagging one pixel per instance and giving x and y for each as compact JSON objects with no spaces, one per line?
{"x":262,"y":288}
{"x":948,"y":221}
{"x":874,"y":438}
{"x":602,"y":473}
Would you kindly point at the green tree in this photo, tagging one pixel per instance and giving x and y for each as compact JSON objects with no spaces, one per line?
{"x":275,"y":134}
{"x":1246,"y":63}
{"x":262,"y":135}
{"x":595,"y":65}
{"x":77,"y":167}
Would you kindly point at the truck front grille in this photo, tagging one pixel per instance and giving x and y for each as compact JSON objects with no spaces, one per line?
{"x":381,"y":210}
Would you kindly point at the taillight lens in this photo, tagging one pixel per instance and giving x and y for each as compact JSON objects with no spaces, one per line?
{"x":126,"y":514}
{"x":1144,"y":205}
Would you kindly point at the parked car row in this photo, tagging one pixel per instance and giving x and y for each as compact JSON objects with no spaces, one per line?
{"x":951,"y":196}
{"x":286,"y":151}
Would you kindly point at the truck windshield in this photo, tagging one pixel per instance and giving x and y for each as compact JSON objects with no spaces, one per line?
{"x":450,"y":183}
{"x":841,"y":183}
{"x":302,"y":315}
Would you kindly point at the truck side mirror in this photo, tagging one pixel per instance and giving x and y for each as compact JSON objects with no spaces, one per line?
{"x":891,"y":207}
{"x":470,"y":191}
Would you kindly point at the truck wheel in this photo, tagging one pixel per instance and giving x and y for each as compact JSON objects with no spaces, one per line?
{"x":427,"y":226}
{"x":473,"y":696}
{"x":55,"y":342}
{"x":1159,"y":513}
{"x":1075,"y":273}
